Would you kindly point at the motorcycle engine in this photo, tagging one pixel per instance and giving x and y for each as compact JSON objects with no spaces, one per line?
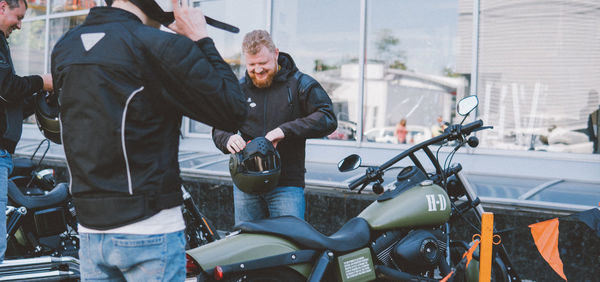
{"x":419,"y":251}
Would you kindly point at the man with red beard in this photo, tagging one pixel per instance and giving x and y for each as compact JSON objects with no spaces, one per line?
{"x":285,"y":106}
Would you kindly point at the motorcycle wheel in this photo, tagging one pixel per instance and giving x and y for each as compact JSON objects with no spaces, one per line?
{"x":269,"y":275}
{"x":499,"y":271}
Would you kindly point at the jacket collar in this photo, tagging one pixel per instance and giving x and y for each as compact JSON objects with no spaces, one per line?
{"x":100,"y":15}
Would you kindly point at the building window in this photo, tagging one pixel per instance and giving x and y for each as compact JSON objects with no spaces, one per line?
{"x":539,"y":80}
{"x":27,"y":47}
{"x":58,"y":6}
{"x":248,"y":16}
{"x":323,"y":38}
{"x":35,"y":8}
{"x":410,"y":70}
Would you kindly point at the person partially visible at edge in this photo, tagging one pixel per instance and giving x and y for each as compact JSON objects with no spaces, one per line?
{"x":123,"y":86}
{"x":439,"y":127}
{"x":401,"y":131}
{"x":283,"y":114}
{"x":14,"y":90}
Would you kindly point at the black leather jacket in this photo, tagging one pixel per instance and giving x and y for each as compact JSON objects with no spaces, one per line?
{"x":14,"y":90}
{"x":123,"y":89}
{"x":298,"y":105}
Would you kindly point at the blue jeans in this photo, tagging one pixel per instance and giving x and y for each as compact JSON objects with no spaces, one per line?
{"x":6,"y":167}
{"x":284,"y":200}
{"x":131,"y":257}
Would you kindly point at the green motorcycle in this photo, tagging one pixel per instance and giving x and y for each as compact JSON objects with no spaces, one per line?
{"x":403,"y":236}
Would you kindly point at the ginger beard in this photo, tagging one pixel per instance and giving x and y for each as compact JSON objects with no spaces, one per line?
{"x":263,"y":79}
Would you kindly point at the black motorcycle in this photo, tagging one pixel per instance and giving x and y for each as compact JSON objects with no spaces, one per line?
{"x":42,"y":238}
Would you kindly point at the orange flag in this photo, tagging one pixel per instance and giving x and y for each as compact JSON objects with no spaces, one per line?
{"x":469,"y":253}
{"x":545,"y":235}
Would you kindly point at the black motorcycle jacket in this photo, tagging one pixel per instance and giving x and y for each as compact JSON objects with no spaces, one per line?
{"x":14,"y":90}
{"x":123,"y":88}
{"x":296,"y":103}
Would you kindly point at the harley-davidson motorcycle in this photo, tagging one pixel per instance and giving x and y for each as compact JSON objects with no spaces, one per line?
{"x":403,"y":236}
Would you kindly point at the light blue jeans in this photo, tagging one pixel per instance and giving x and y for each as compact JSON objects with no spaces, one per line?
{"x":130,"y":257}
{"x":6,"y":167}
{"x":284,"y":200}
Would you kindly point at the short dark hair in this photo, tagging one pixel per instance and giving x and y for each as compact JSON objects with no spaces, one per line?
{"x":15,"y":3}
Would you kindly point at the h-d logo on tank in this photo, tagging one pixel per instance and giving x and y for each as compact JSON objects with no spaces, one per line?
{"x":433,"y":204}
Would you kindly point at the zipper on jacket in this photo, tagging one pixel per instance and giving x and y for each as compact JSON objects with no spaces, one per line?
{"x":265,"y":115}
{"x":289,"y":96}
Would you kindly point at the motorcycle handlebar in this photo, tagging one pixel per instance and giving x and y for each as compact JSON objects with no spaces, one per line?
{"x":447,"y":135}
{"x":357,"y":182}
{"x":469,"y":127}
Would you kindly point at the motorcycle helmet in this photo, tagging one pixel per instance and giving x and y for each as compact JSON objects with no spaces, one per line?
{"x":46,"y":117}
{"x":256,"y":169}
{"x":158,"y":10}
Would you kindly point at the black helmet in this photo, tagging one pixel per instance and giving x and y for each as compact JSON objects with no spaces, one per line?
{"x":256,"y":169}
{"x":158,"y":10}
{"x":46,"y":117}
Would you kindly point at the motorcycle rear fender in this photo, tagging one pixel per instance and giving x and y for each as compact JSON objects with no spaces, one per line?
{"x":244,"y":247}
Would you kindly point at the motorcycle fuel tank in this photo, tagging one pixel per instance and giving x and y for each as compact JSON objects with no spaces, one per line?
{"x":425,"y":204}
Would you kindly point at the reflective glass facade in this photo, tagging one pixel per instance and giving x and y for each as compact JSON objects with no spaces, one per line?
{"x":533,"y":64}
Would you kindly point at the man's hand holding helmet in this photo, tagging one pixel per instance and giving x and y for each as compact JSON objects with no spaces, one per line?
{"x":235,"y":144}
{"x":275,"y":136}
{"x":189,"y":22}
{"x":47,"y":78}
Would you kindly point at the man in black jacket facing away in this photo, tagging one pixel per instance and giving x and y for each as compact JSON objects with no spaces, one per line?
{"x":124,"y":86}
{"x":286,"y":107}
{"x":14,"y":90}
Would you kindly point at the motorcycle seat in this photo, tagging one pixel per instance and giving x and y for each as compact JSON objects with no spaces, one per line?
{"x":54,"y":197}
{"x":353,"y":235}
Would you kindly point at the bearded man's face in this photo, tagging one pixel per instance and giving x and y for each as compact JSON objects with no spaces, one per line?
{"x":262,"y":67}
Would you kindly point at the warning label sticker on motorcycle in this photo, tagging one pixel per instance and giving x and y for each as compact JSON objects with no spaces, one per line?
{"x":356,"y":266}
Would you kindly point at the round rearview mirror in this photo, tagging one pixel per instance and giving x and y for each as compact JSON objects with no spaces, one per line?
{"x":466,"y":105}
{"x":349,"y":163}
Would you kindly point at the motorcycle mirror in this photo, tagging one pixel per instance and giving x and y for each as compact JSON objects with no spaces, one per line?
{"x":349,"y":163}
{"x":467,"y":104}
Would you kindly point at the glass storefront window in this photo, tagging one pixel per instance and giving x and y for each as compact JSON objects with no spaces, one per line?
{"x":410,"y":75}
{"x":35,"y":8}
{"x":539,"y":79}
{"x":57,"y":6}
{"x":247,"y":16}
{"x":323,"y":39}
{"x":27,"y":48}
